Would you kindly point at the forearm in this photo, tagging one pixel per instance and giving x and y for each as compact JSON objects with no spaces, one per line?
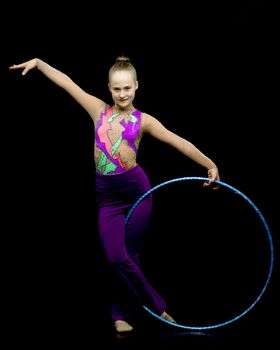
{"x":56,"y":76}
{"x":192,"y":152}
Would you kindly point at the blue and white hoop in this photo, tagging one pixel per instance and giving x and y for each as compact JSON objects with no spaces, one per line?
{"x":268,"y":236}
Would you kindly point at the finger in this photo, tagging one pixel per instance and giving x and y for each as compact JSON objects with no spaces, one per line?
{"x":15,"y":66}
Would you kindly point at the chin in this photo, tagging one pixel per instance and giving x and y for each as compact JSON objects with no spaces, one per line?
{"x":123,"y":105}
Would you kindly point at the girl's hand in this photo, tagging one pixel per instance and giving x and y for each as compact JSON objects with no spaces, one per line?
{"x":213,"y":175}
{"x":26,"y":66}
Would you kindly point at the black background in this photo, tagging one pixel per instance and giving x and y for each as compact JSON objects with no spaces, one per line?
{"x":207,"y":71}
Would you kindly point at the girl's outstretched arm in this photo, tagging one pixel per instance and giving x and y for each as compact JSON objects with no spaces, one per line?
{"x":89,"y":102}
{"x":153,"y":127}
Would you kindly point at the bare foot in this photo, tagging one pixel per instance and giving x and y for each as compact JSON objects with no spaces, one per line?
{"x":167,"y":317}
{"x":121,"y":326}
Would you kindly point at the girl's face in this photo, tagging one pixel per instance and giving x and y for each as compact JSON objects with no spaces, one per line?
{"x":122,"y":86}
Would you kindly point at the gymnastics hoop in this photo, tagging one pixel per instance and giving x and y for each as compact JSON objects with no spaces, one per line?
{"x":267,"y":232}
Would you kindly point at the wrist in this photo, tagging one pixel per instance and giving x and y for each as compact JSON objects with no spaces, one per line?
{"x":211,"y":166}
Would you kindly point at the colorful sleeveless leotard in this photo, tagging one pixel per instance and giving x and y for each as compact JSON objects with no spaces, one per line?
{"x":116,"y":141}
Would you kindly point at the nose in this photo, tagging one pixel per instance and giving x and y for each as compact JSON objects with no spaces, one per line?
{"x":122,"y":93}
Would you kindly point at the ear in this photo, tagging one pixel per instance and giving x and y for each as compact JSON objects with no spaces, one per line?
{"x":136,"y":84}
{"x":109,"y":86}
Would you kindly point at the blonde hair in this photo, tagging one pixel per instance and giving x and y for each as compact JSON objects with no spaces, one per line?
{"x":123,"y":63}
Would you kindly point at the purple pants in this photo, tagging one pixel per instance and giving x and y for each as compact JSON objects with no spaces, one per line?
{"x":122,"y":242}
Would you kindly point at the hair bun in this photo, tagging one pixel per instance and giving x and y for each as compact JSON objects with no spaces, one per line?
{"x":123,"y":59}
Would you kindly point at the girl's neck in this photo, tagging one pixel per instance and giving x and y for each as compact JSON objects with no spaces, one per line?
{"x":127,"y":110}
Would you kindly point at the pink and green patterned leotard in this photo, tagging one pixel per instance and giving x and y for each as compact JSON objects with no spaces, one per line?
{"x":116,"y":141}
